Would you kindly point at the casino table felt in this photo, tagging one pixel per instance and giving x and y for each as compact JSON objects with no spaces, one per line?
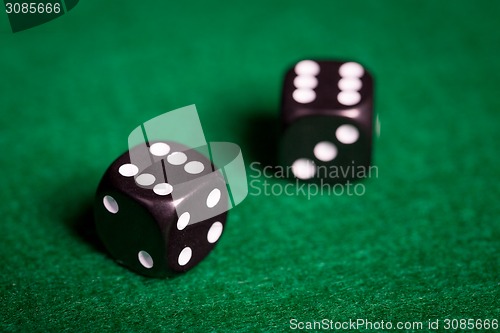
{"x":421,"y":242}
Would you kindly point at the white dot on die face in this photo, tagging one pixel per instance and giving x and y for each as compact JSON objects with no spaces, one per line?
{"x":194,"y":167}
{"x":214,"y":232}
{"x":303,"y":168}
{"x":349,"y":98}
{"x":325,"y":151}
{"x":305,"y":81}
{"x":351,"y":69}
{"x":350,"y":83}
{"x":159,"y":149}
{"x":128,"y":170}
{"x":145,"y":259}
{"x":110,"y":204}
{"x":183,"y":220}
{"x":304,"y":95}
{"x":185,"y":256}
{"x":145,"y":179}
{"x":347,"y":134}
{"x":177,"y":158}
{"x":163,"y":189}
{"x":213,"y":198}
{"x":307,"y":67}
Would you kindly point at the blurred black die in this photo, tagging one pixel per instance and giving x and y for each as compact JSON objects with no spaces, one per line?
{"x":327,"y":119}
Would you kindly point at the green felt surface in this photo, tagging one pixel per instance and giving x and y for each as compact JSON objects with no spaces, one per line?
{"x":422,"y":243}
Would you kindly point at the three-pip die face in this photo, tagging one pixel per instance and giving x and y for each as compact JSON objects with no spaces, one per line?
{"x":166,"y":217}
{"x":327,"y":118}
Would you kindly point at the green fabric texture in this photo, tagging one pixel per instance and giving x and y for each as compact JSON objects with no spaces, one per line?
{"x":421,"y":244}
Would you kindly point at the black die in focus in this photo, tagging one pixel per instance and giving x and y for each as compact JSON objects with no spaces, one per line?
{"x":164,"y":216}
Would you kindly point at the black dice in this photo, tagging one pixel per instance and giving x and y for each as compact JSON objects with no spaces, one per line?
{"x":327,"y":119}
{"x":164,"y":215}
